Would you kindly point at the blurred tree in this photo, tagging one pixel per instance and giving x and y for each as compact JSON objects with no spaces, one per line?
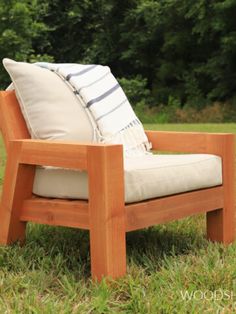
{"x":19,"y":28}
{"x":185,"y":49}
{"x":182,"y":50}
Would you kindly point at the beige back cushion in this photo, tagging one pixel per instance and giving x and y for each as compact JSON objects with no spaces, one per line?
{"x":50,"y":109}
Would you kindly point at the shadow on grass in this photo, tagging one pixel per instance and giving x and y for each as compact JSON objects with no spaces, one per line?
{"x":149,"y":248}
{"x":60,"y":250}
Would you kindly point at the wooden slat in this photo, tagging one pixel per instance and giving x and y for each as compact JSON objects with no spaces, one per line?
{"x":12,"y":123}
{"x":161,"y":210}
{"x":189,"y":142}
{"x":59,"y":154}
{"x":71,"y":155}
{"x":56,"y":212}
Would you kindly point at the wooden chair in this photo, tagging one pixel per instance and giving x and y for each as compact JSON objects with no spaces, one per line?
{"x":105,"y":213}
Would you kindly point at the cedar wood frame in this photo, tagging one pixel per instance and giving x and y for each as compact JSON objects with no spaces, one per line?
{"x":105,"y":214}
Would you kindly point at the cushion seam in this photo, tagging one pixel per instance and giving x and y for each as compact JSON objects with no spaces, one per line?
{"x":171,"y":166}
{"x":22,"y":102}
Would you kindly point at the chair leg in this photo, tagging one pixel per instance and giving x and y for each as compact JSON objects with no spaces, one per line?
{"x":221,"y":222}
{"x":107,"y":247}
{"x":17,"y":186}
{"x":107,"y":213}
{"x":221,"y":225}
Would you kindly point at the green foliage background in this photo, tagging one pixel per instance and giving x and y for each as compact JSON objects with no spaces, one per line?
{"x":175,"y":51}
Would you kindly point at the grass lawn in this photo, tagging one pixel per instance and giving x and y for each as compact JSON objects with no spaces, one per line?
{"x":50,"y":274}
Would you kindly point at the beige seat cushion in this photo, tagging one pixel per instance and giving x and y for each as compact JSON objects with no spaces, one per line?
{"x":145,"y":177}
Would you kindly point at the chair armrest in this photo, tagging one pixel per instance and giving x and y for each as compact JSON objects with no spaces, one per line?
{"x":71,"y":155}
{"x":192,"y":142}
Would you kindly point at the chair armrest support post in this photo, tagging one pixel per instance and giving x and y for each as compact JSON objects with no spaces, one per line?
{"x":107,"y":211}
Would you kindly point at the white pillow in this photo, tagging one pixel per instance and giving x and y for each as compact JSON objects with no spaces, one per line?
{"x":50,"y":109}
